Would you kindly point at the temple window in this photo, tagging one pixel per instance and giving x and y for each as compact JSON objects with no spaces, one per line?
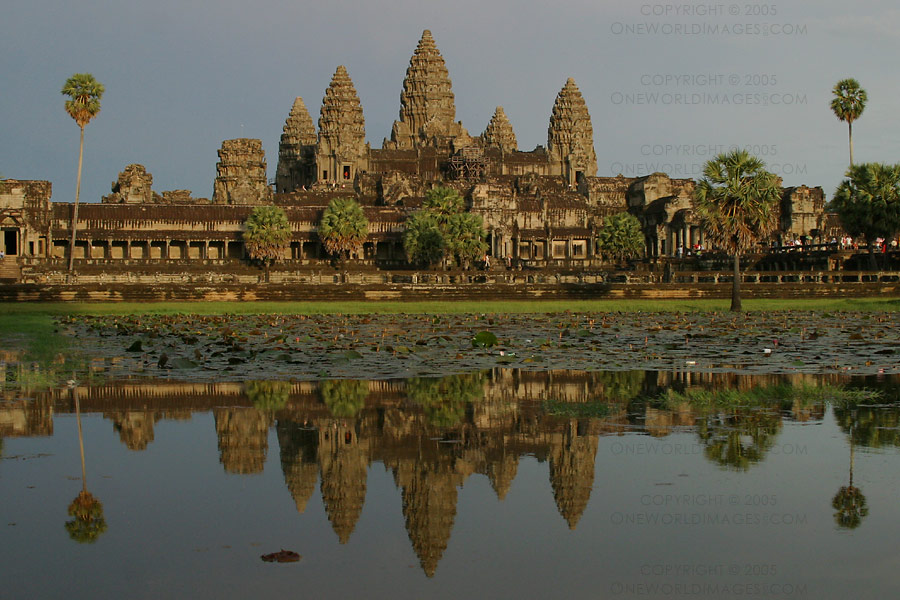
{"x":559,"y":249}
{"x":346,"y":171}
{"x":579,"y":249}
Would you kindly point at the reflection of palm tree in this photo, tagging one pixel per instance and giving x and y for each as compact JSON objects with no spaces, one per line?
{"x":268,"y":396}
{"x":740,"y":439}
{"x":444,"y":399}
{"x":849,"y":501}
{"x":88,"y":523}
{"x":344,"y":397}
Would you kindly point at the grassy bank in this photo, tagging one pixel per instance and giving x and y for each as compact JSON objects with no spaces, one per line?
{"x":14,"y":313}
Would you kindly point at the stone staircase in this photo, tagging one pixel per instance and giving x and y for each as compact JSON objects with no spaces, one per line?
{"x":9,"y":270}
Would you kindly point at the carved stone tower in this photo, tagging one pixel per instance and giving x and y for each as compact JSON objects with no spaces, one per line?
{"x":241,"y":173}
{"x":297,"y":151}
{"x":342,"y":149}
{"x":427,"y":109}
{"x":499,"y":133}
{"x":570,"y":137}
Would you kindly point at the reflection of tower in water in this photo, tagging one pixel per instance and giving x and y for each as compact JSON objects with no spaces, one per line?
{"x":429,"y":491}
{"x":344,"y":460}
{"x":243,"y":439}
{"x":572,"y":455}
{"x":299,"y":447}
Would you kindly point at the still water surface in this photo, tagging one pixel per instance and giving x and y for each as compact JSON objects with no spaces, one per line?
{"x":469,"y":486}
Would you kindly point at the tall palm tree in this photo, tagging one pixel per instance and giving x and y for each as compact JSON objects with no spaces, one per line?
{"x":737,"y":202}
{"x":848,"y":104}
{"x":84,"y":94}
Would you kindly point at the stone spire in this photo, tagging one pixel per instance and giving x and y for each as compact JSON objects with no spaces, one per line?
{"x":427,"y":108}
{"x":296,"y":150}
{"x":342,"y":131}
{"x":501,"y":474}
{"x":499,"y":133}
{"x":570,"y":137}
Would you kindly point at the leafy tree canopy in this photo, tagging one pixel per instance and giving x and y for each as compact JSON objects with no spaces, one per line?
{"x":868,"y":202}
{"x":621,"y":237}
{"x":343,"y":227}
{"x":737,"y":200}
{"x":266,"y":234}
{"x":84,"y":94}
{"x":849,"y":100}
{"x":442,"y":229}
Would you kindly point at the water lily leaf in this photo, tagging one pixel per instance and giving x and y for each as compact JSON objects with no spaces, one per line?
{"x":484,"y":339}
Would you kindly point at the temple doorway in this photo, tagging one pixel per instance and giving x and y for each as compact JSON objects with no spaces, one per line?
{"x":9,"y":242}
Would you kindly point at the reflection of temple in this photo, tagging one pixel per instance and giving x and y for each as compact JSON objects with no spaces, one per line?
{"x":503,"y":421}
{"x":243,"y":439}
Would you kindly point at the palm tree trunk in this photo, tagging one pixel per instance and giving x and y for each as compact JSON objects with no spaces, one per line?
{"x":873,"y":265}
{"x":80,"y":439}
{"x":736,"y":284}
{"x":850,"y":126}
{"x":75,"y":208}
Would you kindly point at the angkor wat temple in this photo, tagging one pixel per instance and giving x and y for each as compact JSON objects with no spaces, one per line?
{"x":541,"y":207}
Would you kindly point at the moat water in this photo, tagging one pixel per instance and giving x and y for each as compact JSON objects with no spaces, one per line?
{"x":499,"y":484}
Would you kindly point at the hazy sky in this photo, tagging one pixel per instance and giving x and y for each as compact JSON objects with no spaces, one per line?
{"x":667,"y":84}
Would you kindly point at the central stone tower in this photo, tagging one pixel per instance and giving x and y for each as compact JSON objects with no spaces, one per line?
{"x":570,"y":137}
{"x":342,"y":149}
{"x":427,"y":109}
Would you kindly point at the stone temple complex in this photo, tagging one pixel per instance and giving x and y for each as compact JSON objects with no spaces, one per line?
{"x":541,"y":208}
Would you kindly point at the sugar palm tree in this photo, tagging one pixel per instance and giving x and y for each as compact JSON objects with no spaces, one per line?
{"x":868,"y":203}
{"x":266,"y":235}
{"x":344,"y":227}
{"x":737,"y":202}
{"x":84,"y":94}
{"x":848,"y":104}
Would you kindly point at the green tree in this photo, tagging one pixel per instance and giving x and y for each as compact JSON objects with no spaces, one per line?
{"x":848,"y":104}
{"x":266,"y":235}
{"x":84,"y":94}
{"x":620,"y":237}
{"x":443,"y":201}
{"x":343,"y":227}
{"x":423,"y":241}
{"x":737,"y":202}
{"x":868,"y":202}
{"x":464,"y":235}
{"x":443,"y":230}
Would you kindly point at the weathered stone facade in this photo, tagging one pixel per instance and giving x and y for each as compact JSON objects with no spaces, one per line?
{"x":541,"y":208}
{"x":241,"y":173}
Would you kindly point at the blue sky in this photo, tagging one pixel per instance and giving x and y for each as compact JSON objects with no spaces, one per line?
{"x":667,"y":84}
